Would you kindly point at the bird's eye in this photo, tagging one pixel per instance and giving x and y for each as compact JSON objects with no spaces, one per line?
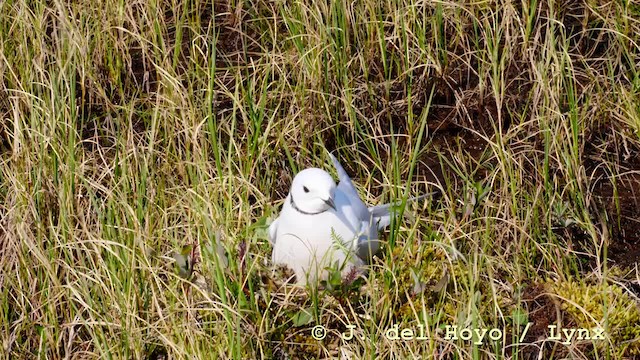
{"x":305,"y":189}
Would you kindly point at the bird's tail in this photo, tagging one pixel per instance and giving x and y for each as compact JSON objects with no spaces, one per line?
{"x":382,"y":213}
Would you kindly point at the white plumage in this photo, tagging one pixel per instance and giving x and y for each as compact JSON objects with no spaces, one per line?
{"x":322,"y":225}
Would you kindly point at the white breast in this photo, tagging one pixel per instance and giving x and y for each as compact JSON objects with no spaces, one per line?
{"x":310,"y":243}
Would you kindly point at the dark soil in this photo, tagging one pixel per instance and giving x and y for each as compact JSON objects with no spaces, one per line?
{"x":542,"y":313}
{"x":620,"y":201}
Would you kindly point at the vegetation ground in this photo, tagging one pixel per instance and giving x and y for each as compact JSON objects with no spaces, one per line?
{"x":139,"y":138}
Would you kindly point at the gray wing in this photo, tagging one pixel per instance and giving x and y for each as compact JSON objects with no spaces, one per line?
{"x":346,"y":187}
{"x":381,"y":215}
{"x":367,"y":246}
{"x":370,"y":219}
{"x":366,"y":243}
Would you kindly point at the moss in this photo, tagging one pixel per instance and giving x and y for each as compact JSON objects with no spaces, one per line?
{"x":608,"y":305}
{"x":420,"y":272}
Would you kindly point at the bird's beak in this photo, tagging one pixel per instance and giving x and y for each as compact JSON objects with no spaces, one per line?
{"x":331,"y":203}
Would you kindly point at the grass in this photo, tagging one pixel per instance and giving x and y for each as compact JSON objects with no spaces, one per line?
{"x":135,"y":134}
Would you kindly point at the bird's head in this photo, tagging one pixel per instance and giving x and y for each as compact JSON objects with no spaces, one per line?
{"x":313,"y":191}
